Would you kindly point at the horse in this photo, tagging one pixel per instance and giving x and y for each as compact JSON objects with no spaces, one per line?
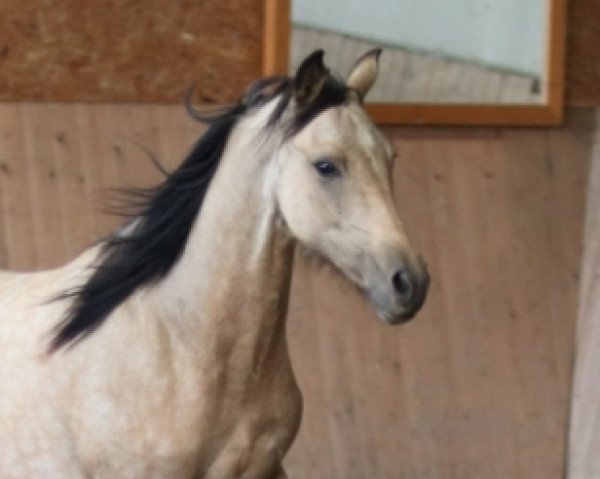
{"x":160,"y":351}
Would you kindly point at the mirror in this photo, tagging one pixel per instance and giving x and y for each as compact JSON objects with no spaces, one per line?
{"x":472,"y":62}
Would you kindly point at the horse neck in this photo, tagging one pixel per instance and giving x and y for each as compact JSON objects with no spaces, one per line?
{"x":231,"y":285}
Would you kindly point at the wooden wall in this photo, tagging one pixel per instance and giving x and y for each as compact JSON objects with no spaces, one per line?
{"x":477,"y":386}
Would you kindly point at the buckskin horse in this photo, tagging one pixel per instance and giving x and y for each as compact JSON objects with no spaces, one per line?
{"x":160,"y":352}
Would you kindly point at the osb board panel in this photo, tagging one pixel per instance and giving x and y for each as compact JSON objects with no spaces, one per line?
{"x":476,"y":387}
{"x":123,"y":50}
{"x":583,"y":60}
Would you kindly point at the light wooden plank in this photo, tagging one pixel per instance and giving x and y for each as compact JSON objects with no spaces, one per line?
{"x":42,"y":185}
{"x":22,"y":254}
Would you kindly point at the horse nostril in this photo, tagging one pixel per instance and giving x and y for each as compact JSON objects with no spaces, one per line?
{"x":403,"y":284}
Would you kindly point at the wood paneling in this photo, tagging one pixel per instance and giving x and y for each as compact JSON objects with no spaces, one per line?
{"x":477,"y":386}
{"x":55,"y":161}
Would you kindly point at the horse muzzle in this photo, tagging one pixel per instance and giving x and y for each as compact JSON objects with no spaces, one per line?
{"x":399,"y":298}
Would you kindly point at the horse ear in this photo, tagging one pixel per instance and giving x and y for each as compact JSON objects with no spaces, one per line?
{"x":310,"y":79}
{"x":364,"y":72}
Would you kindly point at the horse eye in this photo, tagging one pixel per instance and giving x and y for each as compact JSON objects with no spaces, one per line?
{"x":327,"y":168}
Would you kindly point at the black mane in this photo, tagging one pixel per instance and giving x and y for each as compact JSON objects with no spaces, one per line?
{"x":162,"y":216}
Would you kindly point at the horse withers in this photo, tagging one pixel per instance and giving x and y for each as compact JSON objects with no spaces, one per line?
{"x":161,"y":351}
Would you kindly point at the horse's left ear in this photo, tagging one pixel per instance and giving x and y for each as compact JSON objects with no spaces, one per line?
{"x":364,"y":72}
{"x":310,"y":79}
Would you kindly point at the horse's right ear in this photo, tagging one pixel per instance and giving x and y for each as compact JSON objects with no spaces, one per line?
{"x":310,"y":79}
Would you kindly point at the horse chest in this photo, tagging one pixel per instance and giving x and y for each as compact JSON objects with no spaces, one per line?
{"x":185,"y":431}
{"x":246,"y":433}
{"x":254,"y":447}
